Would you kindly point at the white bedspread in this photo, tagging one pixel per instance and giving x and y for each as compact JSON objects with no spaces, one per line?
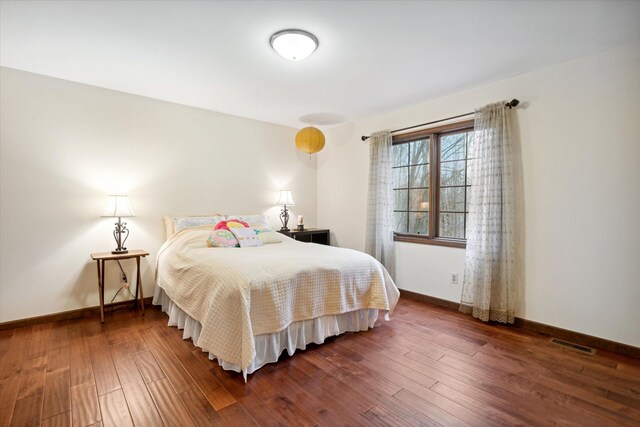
{"x":236,"y":293}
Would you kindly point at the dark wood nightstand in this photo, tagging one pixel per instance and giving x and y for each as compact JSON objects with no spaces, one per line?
{"x":101,"y":257}
{"x":312,"y":235}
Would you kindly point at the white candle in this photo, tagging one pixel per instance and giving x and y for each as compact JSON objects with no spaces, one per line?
{"x":300,"y":220}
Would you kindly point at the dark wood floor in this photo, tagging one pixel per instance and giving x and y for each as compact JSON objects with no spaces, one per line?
{"x":428,"y":366}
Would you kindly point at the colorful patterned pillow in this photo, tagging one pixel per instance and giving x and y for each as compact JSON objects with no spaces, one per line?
{"x":246,"y":237}
{"x":222,"y":239}
{"x":230,"y":223}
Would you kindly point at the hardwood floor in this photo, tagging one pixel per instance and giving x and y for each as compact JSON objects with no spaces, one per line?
{"x":428,"y":366}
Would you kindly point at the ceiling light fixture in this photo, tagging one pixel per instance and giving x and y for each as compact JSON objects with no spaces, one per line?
{"x":310,"y":140}
{"x":294,"y":45}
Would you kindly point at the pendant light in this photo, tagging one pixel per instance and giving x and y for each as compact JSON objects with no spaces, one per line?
{"x":310,"y":140}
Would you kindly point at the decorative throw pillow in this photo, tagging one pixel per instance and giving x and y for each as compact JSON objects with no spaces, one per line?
{"x":222,"y":239}
{"x":270,"y":237}
{"x":231,"y":223}
{"x":246,"y":237}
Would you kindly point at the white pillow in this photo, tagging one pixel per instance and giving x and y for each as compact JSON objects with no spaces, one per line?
{"x":196,"y":221}
{"x":252,"y":219}
{"x":270,"y":237}
{"x":262,"y":228}
{"x":246,"y":237}
{"x":174,"y":224}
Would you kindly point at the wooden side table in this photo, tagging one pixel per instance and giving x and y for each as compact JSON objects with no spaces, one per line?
{"x":101,"y":257}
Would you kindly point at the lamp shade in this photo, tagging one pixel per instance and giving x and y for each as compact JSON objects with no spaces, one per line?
{"x":118,"y":206}
{"x":285,"y":198}
{"x":310,"y":140}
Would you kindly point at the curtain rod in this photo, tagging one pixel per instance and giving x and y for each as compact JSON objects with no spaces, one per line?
{"x":513,"y":103}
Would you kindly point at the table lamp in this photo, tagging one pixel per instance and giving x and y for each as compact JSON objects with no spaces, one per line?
{"x":285,"y":198}
{"x":118,"y":206}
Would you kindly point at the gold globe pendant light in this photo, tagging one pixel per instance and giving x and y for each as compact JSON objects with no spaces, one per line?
{"x":310,"y":140}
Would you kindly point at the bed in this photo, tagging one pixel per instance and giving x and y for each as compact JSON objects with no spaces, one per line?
{"x":245,"y":306}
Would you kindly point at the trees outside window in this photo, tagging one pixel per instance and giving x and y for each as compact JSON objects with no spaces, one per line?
{"x":430,"y":184}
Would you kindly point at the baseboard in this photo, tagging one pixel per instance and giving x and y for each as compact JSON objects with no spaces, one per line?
{"x":541,"y":328}
{"x":66,"y":315}
{"x":431,"y":300}
{"x":578,"y":337}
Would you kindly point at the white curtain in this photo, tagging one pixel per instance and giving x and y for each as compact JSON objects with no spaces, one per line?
{"x":379,"y":226}
{"x":489,"y":287}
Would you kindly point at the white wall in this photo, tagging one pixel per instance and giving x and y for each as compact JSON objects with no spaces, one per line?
{"x":579,"y":135}
{"x":65,"y":146}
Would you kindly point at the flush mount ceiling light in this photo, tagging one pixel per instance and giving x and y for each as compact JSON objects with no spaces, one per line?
{"x":294,"y":45}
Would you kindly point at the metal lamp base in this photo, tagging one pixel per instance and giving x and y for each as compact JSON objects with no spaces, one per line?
{"x":121,"y":228}
{"x":284,"y":217}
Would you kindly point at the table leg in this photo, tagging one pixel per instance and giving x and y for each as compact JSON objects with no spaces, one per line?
{"x":139,"y":286}
{"x":135,"y":298}
{"x":101,"y":287}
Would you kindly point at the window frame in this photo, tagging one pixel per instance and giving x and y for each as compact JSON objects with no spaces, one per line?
{"x":434,"y":134}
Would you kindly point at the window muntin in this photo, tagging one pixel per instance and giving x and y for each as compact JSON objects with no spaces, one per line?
{"x":430,"y":184}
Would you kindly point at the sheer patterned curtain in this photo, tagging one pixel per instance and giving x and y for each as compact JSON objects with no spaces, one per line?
{"x":379,"y":231}
{"x":489,"y":287}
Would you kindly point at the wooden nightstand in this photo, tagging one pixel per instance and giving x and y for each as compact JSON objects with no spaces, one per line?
{"x":101,"y":257}
{"x":313,"y":235}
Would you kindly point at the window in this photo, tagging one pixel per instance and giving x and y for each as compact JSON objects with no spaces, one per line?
{"x":430,"y":184}
{"x":411,"y":186}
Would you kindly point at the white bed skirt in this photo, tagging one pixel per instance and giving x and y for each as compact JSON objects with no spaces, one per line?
{"x":270,"y":346}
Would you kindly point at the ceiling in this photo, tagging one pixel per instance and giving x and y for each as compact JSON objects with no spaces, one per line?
{"x":373,"y":56}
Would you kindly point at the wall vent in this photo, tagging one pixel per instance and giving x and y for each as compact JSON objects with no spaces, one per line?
{"x":581,"y":348}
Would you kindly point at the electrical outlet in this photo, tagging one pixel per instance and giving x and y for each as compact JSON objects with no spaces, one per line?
{"x":454,"y":278}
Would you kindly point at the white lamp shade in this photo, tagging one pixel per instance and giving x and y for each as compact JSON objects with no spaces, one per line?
{"x":118,"y":206}
{"x":285,"y":198}
{"x":294,"y":45}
